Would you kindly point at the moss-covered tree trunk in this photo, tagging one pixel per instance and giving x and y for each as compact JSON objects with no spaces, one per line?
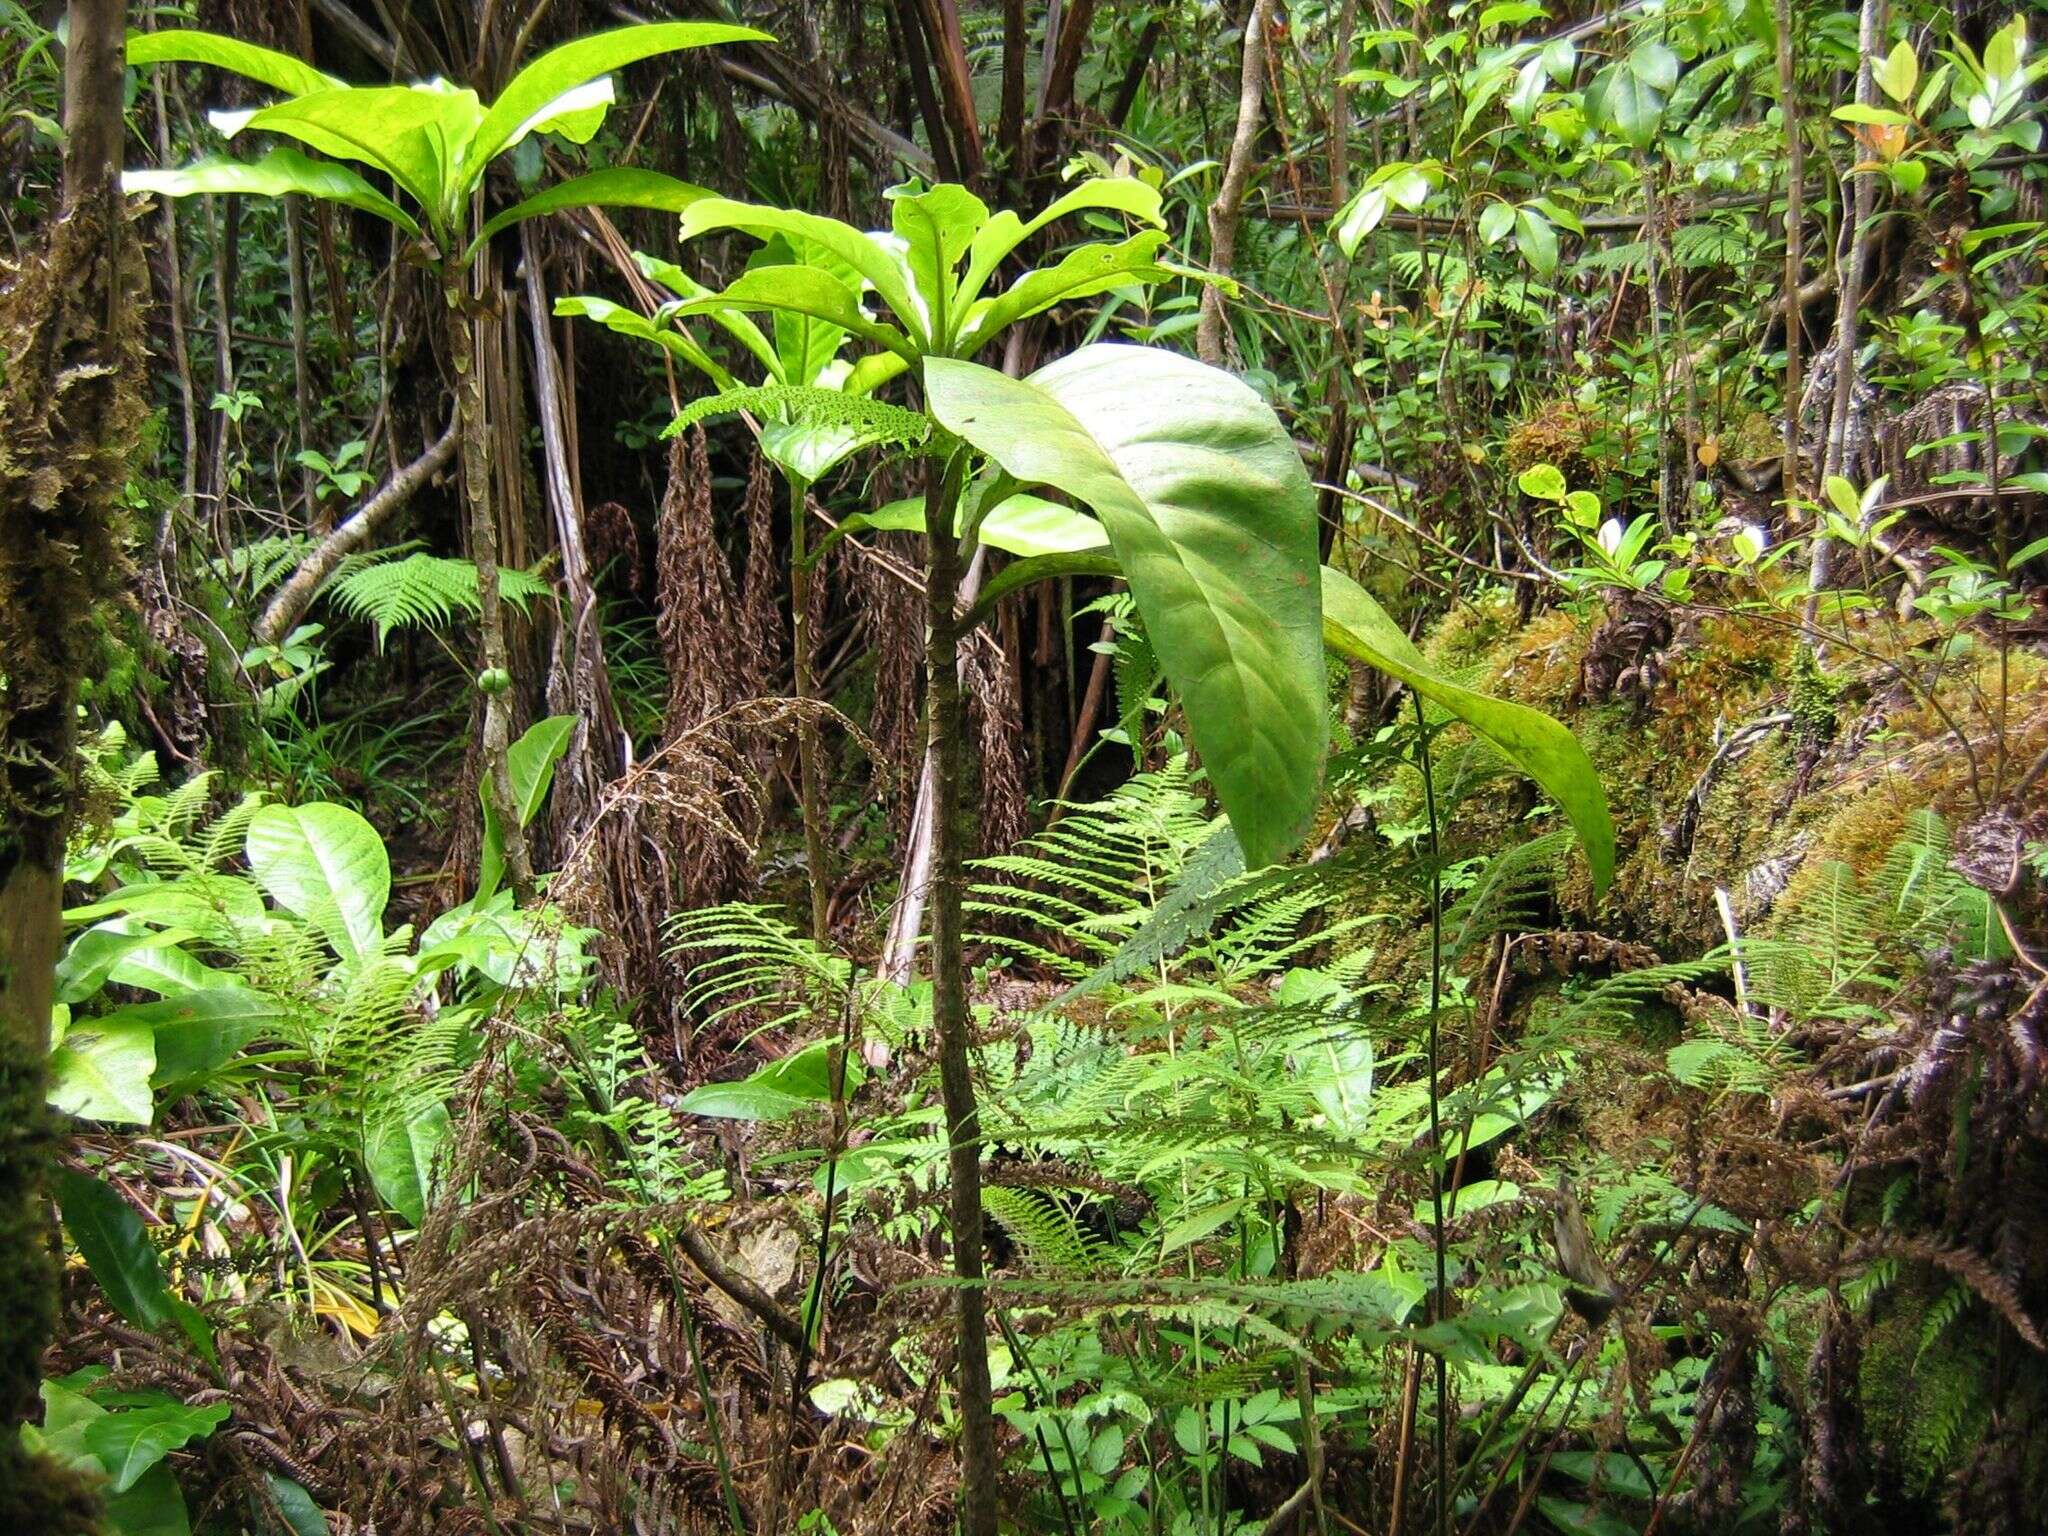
{"x":69,"y":408}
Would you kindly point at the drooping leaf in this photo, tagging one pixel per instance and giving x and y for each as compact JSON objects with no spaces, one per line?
{"x":401,"y":1149}
{"x":1022,"y":524}
{"x":409,"y":132}
{"x":619,"y":187}
{"x":282,"y":170}
{"x":1212,"y":519}
{"x":1356,"y":626}
{"x":630,"y":322}
{"x":326,"y":864}
{"x":1004,"y":232}
{"x":265,"y":66}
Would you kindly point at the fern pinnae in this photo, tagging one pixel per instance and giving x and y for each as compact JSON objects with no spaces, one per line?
{"x":808,"y":405}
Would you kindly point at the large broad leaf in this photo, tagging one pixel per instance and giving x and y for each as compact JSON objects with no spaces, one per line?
{"x":1212,"y":518}
{"x":197,"y":1032}
{"x":100,"y":1070}
{"x":620,"y":187}
{"x":325,"y":864}
{"x":1081,"y":273}
{"x":783,"y":1088}
{"x":412,"y":133}
{"x":130,"y":1442}
{"x":862,"y":252}
{"x":402,"y":1148}
{"x":530,"y":763}
{"x":1356,"y":626}
{"x":266,"y":66}
{"x":282,"y":170}
{"x":531,"y":98}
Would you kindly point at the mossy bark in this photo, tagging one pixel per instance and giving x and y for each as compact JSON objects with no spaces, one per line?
{"x":69,"y":409}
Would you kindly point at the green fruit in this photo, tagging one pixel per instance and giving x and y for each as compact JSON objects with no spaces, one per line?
{"x":493,"y":680}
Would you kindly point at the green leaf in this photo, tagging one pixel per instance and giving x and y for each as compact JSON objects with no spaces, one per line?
{"x":532,"y":98}
{"x":1544,"y":482}
{"x":808,"y":291}
{"x":266,"y":66}
{"x":409,"y":132}
{"x":1655,"y":65}
{"x":197,"y":1031}
{"x":1620,"y":100}
{"x":1898,"y":72}
{"x":302,"y":1515}
{"x":1081,"y":273}
{"x":782,"y":1088}
{"x":1033,"y":569}
{"x":1212,"y":518}
{"x":131,"y":1441}
{"x":282,"y":170}
{"x":101,"y":1071}
{"x":1022,"y":524}
{"x":1537,"y":239}
{"x":1495,"y":220}
{"x":155,"y":1506}
{"x":630,"y":322}
{"x":1884,"y":117}
{"x":620,"y":187}
{"x":1356,"y":626}
{"x":936,"y":228}
{"x":862,"y":252}
{"x":1004,"y":232}
{"x":401,"y":1147}
{"x":1192,"y":1229}
{"x":326,"y":864}
{"x":530,"y":763}
{"x":109,"y":1236}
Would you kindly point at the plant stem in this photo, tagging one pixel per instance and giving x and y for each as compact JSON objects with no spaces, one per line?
{"x":1436,"y":1137}
{"x":810,"y":776}
{"x":483,"y":550}
{"x":950,"y":1014}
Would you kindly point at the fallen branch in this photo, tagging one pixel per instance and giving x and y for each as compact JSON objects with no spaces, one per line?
{"x":296,"y":595}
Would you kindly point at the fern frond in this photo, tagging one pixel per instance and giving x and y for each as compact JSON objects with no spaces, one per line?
{"x":424,"y":590}
{"x":807,"y":405}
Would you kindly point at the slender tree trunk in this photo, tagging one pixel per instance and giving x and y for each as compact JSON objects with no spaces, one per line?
{"x":302,"y":364}
{"x":1795,"y":261}
{"x":483,"y":541}
{"x":1211,"y":328}
{"x":809,"y":767}
{"x":951,"y":1016}
{"x":70,"y":359}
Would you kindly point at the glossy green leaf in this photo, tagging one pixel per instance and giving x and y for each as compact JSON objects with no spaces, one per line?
{"x":862,"y":252}
{"x":630,"y":322}
{"x":620,"y":187}
{"x":155,"y":1506}
{"x":109,"y":1236}
{"x":278,"y":172}
{"x":1619,"y":99}
{"x":533,"y":95}
{"x":100,"y":1070}
{"x":1355,"y":625}
{"x":196,"y":1032}
{"x":936,"y":227}
{"x":1022,"y":524}
{"x":412,"y":133}
{"x":530,"y":763}
{"x":1537,"y":239}
{"x":265,"y":66}
{"x":807,"y":291}
{"x":1031,"y":570}
{"x":326,"y":864}
{"x":402,"y":1148}
{"x":1081,"y":273}
{"x":1005,"y":232}
{"x":784,"y":1087}
{"x":1212,"y":519}
{"x":302,"y":1513}
{"x":131,"y":1441}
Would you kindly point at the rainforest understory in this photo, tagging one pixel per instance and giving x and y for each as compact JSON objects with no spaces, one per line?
{"x":1194,"y":769}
